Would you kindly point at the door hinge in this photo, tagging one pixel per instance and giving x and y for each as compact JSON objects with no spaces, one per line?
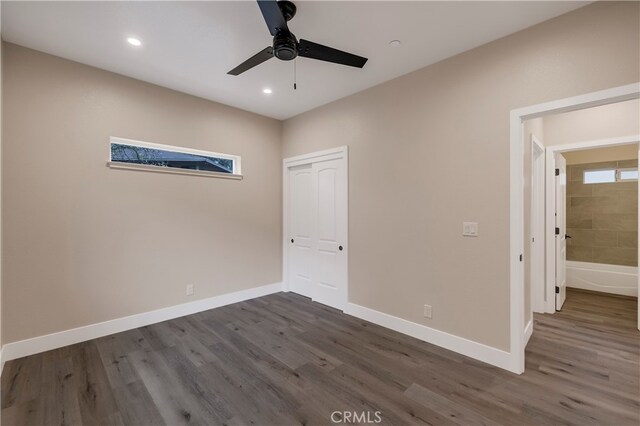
{"x":557,"y":290}
{"x":557,"y":172}
{"x":520,"y":258}
{"x":557,"y":231}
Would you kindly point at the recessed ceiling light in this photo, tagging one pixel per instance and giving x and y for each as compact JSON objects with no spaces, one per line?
{"x":134,"y":41}
{"x":267,"y":91}
{"x":395,"y":43}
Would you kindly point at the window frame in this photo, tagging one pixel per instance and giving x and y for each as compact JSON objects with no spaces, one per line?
{"x":235,"y":174}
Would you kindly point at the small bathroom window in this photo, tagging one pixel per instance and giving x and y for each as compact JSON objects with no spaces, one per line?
{"x":600,"y":176}
{"x":625,"y":175}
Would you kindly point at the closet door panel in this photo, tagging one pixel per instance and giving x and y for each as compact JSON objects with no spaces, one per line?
{"x":301,"y":224}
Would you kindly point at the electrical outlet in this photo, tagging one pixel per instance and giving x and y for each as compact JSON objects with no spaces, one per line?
{"x":190,"y":290}
{"x":427,"y":311}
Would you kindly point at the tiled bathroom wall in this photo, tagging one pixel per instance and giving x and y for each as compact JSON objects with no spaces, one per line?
{"x":602,"y":219}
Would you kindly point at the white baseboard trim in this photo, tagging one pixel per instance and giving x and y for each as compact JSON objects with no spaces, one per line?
{"x":47,"y":342}
{"x":475,"y":350}
{"x":528,"y":331}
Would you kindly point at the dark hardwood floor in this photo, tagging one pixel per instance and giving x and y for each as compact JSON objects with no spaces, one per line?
{"x":282,"y":360}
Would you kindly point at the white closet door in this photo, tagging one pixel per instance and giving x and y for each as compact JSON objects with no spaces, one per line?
{"x":301,"y":227}
{"x":330,"y":273}
{"x":317,"y":230}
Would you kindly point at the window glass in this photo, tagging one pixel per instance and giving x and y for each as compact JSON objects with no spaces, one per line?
{"x":629,"y":174}
{"x":132,"y":154}
{"x":600,"y":176}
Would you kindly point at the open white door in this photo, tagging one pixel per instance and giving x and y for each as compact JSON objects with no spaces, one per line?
{"x":561,"y":231}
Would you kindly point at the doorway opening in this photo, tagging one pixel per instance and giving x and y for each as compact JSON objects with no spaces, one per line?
{"x":525,"y":199}
{"x":589,"y":201}
{"x":601,"y":205}
{"x":596,"y":220}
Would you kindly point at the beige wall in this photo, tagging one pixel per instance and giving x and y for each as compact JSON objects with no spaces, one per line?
{"x":614,"y":153}
{"x":602,"y":219}
{"x":84,"y":243}
{"x":430,"y":150}
{"x":607,"y":121}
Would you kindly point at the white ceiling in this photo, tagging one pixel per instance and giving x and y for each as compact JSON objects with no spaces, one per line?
{"x":190,"y":46}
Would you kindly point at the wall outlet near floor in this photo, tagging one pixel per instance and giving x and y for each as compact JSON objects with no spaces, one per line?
{"x":427,"y":311}
{"x":190,"y":290}
{"x":470,"y":229}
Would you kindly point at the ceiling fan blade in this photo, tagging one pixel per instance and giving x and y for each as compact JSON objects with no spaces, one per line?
{"x":309,"y":49}
{"x":273,"y":16}
{"x":253,"y":61}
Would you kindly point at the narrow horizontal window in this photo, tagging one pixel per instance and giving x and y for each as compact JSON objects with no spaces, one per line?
{"x":628,"y":174}
{"x":600,"y":176}
{"x":156,"y":157}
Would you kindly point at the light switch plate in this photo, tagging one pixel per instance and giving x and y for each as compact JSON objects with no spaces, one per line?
{"x":470,"y":229}
{"x":428,"y":312}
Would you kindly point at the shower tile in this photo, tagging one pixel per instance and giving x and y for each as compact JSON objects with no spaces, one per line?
{"x":615,"y":256}
{"x":628,"y":239}
{"x":581,"y":254}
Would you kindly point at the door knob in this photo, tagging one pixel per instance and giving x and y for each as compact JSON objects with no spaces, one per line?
{"x":340,"y":248}
{"x":567,"y":237}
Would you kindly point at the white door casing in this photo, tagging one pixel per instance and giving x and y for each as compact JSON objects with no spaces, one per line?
{"x":561,"y":231}
{"x":315,"y":260}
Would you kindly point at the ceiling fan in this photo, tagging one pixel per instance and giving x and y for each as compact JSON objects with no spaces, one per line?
{"x":285,"y":45}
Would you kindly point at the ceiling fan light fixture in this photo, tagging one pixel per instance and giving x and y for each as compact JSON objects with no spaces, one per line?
{"x":395,"y":43}
{"x":285,"y":46}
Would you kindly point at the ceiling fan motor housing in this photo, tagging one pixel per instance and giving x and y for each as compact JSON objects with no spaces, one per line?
{"x":285,"y":46}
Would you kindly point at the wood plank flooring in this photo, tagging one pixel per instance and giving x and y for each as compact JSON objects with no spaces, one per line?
{"x":283,"y":360}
